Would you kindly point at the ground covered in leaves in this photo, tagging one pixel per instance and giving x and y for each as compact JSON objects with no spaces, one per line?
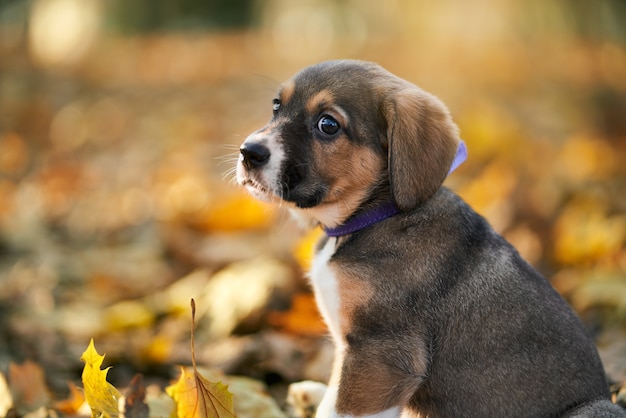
{"x":117,"y":204}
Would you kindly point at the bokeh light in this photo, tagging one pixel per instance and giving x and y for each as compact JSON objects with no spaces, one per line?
{"x":120,"y":127}
{"x":61,"y":31}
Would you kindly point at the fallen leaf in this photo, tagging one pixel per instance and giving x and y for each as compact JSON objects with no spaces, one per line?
{"x":196,"y":397}
{"x":72,"y":404}
{"x":302,"y":318}
{"x":28,"y":387}
{"x":135,"y":405}
{"x":101,"y":396}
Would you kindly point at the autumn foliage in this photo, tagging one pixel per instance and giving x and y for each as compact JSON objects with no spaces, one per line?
{"x":192,"y":395}
{"x":117,"y":200}
{"x":102,"y":398}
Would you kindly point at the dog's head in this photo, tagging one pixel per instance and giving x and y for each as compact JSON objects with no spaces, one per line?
{"x":343,"y":133}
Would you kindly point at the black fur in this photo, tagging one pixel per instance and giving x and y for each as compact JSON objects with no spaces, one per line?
{"x":502,"y":342}
{"x":438,"y":313}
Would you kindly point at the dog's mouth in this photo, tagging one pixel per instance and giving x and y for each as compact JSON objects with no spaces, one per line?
{"x":268,"y":194}
{"x":290,"y":187}
{"x":257,"y":187}
{"x":257,"y":190}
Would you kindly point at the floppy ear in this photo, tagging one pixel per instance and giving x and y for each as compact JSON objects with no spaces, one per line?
{"x":422,"y":142}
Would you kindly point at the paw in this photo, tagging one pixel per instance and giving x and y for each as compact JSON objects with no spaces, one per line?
{"x":304,"y":398}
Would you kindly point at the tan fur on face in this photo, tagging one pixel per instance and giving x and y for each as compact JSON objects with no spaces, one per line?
{"x":319,"y":101}
{"x":287,"y":91}
{"x":351,"y":172}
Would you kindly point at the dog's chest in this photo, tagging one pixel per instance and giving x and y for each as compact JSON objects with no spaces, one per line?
{"x":326,"y":288}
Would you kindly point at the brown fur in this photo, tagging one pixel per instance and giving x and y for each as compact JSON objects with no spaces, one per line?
{"x":435,"y":313}
{"x":363,"y":166}
{"x":287,"y":91}
{"x":321,"y":100}
{"x":354,"y":294}
{"x":422,"y":143}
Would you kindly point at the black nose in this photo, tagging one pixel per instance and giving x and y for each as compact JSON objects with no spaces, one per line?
{"x":254,"y":155}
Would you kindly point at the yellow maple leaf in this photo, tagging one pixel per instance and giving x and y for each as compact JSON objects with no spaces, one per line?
{"x":101,"y":396}
{"x":197,"y":397}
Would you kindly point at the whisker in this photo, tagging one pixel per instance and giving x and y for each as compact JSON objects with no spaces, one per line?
{"x":227,"y":158}
{"x":230,"y":175}
{"x":232,"y":147}
{"x":230,"y":159}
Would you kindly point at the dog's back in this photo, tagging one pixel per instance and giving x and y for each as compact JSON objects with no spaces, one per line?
{"x":501,"y":341}
{"x":430,"y":310}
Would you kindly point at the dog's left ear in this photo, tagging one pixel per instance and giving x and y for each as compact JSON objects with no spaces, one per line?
{"x":422,"y":142}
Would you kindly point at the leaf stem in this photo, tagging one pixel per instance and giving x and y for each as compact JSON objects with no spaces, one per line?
{"x":193,"y":327}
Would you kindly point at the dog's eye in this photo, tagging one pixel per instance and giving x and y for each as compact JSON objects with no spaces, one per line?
{"x":275,"y":105}
{"x":328,"y":125}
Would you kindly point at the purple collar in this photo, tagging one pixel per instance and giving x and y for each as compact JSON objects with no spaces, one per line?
{"x":460,"y":157}
{"x":364,"y":220}
{"x":386,"y":210}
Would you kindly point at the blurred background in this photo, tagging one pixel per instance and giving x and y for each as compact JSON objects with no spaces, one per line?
{"x":119,"y":128}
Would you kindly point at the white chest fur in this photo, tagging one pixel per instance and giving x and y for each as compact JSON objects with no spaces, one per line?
{"x":324,"y":282}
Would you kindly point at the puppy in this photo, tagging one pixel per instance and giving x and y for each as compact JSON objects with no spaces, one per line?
{"x":432,"y":313}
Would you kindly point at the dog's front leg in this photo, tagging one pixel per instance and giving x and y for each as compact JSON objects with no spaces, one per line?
{"x":364,"y":385}
{"x":326,"y":408}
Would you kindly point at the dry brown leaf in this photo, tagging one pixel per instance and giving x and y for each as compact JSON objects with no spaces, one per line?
{"x":135,"y":405}
{"x":28,"y":387}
